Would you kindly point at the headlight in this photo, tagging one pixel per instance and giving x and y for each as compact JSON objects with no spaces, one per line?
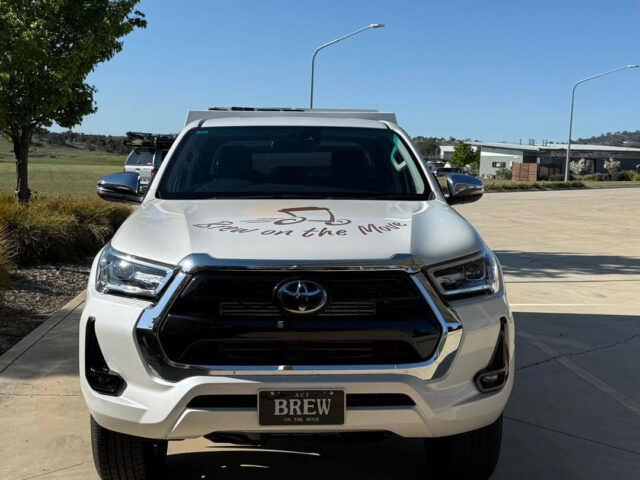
{"x":128,"y":275}
{"x":477,"y":274}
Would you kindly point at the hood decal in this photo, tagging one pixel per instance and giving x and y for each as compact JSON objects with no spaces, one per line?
{"x":329,"y":225}
{"x":293,"y":229}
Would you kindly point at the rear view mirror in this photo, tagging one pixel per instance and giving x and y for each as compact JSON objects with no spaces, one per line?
{"x":120,"y":187}
{"x":463,"y":188}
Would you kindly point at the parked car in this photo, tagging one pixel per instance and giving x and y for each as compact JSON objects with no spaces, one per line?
{"x":433,"y":166}
{"x":147,"y":155}
{"x":444,"y":171}
{"x":295,"y":272}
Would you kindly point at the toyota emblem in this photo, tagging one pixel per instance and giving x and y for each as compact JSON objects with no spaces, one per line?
{"x":301,"y":296}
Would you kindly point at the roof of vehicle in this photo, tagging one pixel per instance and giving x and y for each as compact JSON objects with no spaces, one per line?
{"x":288,"y":113}
{"x":292,"y":121}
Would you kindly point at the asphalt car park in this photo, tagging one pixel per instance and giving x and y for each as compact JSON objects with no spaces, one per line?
{"x":572,"y":265}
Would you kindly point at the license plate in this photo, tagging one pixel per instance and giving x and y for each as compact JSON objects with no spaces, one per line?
{"x":301,"y":407}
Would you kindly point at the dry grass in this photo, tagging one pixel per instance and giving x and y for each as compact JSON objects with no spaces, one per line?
{"x":6,"y":254}
{"x":57,"y":229}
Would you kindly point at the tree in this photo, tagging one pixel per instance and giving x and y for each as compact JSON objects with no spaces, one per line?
{"x":47,"y":49}
{"x":463,"y":155}
{"x":577,"y":168}
{"x":428,"y":146}
{"x":612,"y":166}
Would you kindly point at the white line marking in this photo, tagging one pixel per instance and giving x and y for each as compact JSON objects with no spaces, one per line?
{"x":581,"y":372}
{"x":558,"y":304}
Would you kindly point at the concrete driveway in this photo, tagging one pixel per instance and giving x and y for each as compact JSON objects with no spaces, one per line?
{"x":572,"y":263}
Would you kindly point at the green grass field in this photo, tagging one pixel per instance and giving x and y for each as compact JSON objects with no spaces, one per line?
{"x":59,"y":171}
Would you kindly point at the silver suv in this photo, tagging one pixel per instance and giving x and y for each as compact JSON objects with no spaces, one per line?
{"x":147,"y":155}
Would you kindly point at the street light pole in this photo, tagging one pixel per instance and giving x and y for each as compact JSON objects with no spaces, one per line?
{"x":313,"y":60}
{"x":573,"y":93}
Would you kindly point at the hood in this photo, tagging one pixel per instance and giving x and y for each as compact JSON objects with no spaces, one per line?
{"x":168,"y":230}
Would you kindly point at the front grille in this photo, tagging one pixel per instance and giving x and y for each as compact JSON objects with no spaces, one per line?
{"x":299,"y":352}
{"x":229,"y":318}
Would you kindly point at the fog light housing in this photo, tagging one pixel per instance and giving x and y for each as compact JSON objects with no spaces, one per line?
{"x":495,"y":375}
{"x":99,"y":376}
{"x":490,"y":381}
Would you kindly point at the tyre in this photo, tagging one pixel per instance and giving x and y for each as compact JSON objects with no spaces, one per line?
{"x":124,"y":457}
{"x":471,"y":455}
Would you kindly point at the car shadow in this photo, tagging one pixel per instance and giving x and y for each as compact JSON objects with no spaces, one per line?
{"x":560,"y":265}
{"x":392,"y":458}
{"x":602,"y":338}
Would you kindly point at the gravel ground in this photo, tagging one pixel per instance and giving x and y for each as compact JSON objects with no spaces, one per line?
{"x":37,"y":293}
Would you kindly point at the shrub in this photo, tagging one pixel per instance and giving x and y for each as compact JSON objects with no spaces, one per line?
{"x":513,"y":186}
{"x":503,"y":174}
{"x":54,"y":230}
{"x":593,"y":177}
{"x":5,"y":259}
{"x":624,"y":176}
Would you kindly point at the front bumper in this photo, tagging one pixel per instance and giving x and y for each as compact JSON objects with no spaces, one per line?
{"x":165,"y":414}
{"x":446,"y":399}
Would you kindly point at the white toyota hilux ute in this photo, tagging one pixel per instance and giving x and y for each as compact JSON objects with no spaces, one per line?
{"x":295,"y":271}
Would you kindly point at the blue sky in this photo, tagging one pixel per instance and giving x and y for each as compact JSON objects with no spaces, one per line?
{"x":497,"y":70}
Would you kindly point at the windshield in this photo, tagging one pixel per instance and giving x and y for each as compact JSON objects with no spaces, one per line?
{"x":292,"y":162}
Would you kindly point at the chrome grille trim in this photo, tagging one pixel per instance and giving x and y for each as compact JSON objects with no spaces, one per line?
{"x":268,"y":309}
{"x":199,"y":261}
{"x":436,"y":367}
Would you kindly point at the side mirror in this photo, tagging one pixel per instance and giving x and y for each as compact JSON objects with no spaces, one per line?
{"x":463,"y":188}
{"x":120,"y":187}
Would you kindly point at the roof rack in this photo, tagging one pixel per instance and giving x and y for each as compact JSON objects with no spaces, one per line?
{"x":252,"y":112}
{"x":257,"y":109}
{"x":149,"y":140}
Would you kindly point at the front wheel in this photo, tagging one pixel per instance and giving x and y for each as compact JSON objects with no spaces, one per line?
{"x":467,"y":456}
{"x":123,"y":457}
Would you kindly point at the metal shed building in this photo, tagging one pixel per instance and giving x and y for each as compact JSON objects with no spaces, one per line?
{"x":551,"y":157}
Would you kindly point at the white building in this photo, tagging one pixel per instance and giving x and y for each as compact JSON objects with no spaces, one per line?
{"x":551,"y":157}
{"x":445,"y":151}
{"x":490,"y":161}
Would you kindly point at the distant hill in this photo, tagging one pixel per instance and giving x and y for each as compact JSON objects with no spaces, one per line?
{"x":616,"y":139}
{"x":427,"y":145}
{"x":104,"y":143}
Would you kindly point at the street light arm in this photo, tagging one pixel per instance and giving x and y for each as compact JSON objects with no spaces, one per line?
{"x":340,"y":39}
{"x":603,"y":74}
{"x":313,"y":59}
{"x":573,"y":94}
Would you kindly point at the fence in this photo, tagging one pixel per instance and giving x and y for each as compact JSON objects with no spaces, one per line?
{"x":527,"y":172}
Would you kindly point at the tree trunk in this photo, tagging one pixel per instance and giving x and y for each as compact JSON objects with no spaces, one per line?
{"x":21,"y":152}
